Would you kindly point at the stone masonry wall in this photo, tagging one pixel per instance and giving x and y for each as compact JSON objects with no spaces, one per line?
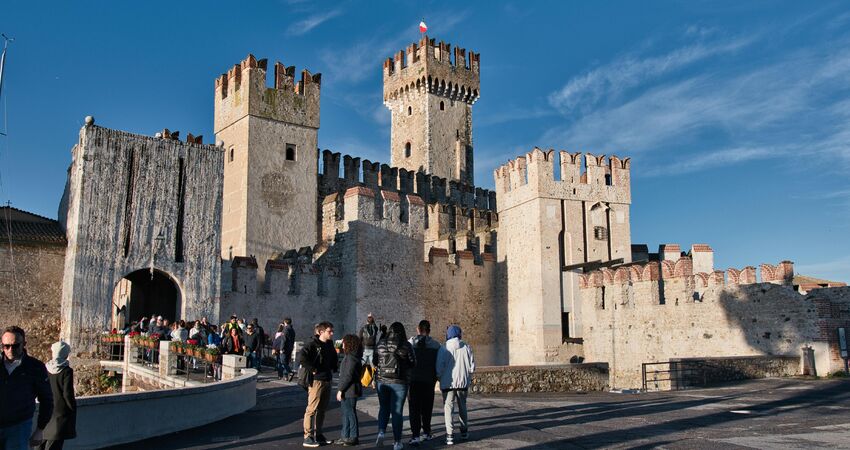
{"x":554,"y":378}
{"x":31,"y":292}
{"x":124,"y":192}
{"x":652,"y":313}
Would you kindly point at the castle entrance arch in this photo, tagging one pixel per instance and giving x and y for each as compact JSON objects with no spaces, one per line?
{"x":142,"y":294}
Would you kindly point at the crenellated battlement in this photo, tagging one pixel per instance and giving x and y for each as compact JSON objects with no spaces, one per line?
{"x":293,"y":272}
{"x":401,"y":214}
{"x":682,"y":269}
{"x":243,"y":90}
{"x":585,"y":177}
{"x":382,"y":177}
{"x":428,"y":66}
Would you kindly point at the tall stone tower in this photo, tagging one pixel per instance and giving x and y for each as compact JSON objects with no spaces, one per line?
{"x":546,"y":224}
{"x":430,"y":91}
{"x":270,"y":137}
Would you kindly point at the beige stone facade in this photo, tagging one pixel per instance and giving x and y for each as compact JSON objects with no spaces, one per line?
{"x":430,"y":92}
{"x":271,"y":163}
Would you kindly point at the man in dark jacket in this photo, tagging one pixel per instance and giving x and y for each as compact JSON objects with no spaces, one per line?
{"x":319,"y":358}
{"x":253,"y":347}
{"x":22,"y":380}
{"x":423,"y":377}
{"x":282,"y":346}
{"x":369,"y":335}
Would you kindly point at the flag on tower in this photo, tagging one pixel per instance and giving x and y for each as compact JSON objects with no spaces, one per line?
{"x":422,"y":27}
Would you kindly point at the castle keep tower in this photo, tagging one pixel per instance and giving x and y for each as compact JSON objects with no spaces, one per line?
{"x":430,"y":91}
{"x":546,"y":224}
{"x":271,"y":160}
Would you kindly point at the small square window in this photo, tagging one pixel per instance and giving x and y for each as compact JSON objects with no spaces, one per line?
{"x":600,"y":233}
{"x":290,"y":152}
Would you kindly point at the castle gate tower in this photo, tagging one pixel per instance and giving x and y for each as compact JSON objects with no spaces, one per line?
{"x":271,"y":159}
{"x":546,"y":224}
{"x":430,"y":91}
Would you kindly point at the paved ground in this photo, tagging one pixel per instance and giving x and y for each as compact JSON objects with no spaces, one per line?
{"x":769,"y":414}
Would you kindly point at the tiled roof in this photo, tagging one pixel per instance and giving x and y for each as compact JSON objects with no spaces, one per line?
{"x":24,"y":227}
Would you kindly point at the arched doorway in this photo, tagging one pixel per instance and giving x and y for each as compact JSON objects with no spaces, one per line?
{"x":139,"y":295}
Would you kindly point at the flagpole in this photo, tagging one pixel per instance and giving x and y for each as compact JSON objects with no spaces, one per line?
{"x":6,"y":41}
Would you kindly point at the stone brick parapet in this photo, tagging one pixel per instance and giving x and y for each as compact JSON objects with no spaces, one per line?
{"x":381,"y":177}
{"x":533,"y":175}
{"x":554,"y":378}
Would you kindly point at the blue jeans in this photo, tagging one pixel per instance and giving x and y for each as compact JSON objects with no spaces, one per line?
{"x":391,"y":400}
{"x":283,"y":367}
{"x":16,"y":437}
{"x":350,"y":426}
{"x":253,"y":360}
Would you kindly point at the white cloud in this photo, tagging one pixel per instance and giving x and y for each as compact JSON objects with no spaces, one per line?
{"x":835,"y":270}
{"x":304,"y":26}
{"x":787,"y":105}
{"x":364,"y":57}
{"x":613,"y":79}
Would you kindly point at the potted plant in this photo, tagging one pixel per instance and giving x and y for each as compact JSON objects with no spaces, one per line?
{"x":212,"y":353}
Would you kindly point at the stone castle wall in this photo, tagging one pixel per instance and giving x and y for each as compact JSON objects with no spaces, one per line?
{"x":31,"y":292}
{"x":659,"y":312}
{"x":124,"y":192}
{"x":373,"y":261}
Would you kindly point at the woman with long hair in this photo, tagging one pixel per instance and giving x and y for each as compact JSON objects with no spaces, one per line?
{"x":392,"y":360}
{"x":349,"y":389}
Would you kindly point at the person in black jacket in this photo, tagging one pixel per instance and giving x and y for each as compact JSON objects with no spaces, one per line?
{"x":22,"y":380}
{"x":423,"y":377}
{"x":63,"y":423}
{"x":349,"y":389}
{"x":319,"y":358}
{"x":393,"y":361}
{"x":253,"y":346}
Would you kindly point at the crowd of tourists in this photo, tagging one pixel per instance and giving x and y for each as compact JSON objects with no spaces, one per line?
{"x":381,"y":358}
{"x":400,"y":369}
{"x":235,"y":337}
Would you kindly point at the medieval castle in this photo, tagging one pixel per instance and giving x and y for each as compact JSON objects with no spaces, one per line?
{"x":541,"y":271}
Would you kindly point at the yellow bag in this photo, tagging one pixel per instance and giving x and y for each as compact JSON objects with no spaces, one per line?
{"x":366,"y":379}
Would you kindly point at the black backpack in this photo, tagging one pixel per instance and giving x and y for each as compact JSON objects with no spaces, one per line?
{"x":370,"y":332}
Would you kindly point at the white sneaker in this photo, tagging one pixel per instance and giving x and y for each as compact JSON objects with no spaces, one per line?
{"x":380,"y":441}
{"x":414,"y":442}
{"x":426,"y":437}
{"x":449,"y":440}
{"x":398,"y":445}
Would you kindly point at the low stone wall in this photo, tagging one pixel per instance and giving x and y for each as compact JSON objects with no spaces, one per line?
{"x":554,"y":378}
{"x":731,"y":368}
{"x":106,"y":420}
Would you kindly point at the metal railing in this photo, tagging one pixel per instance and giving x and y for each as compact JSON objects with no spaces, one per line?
{"x":197,"y":369}
{"x":110,"y":351}
{"x":674,"y":375}
{"x":148,"y":357}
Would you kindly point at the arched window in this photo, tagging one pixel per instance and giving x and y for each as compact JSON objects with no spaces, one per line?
{"x":409,"y":110}
{"x":290,"y":152}
{"x":442,"y":106}
{"x":407,"y":150}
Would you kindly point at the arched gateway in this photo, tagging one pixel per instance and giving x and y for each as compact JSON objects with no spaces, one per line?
{"x":146,"y":293}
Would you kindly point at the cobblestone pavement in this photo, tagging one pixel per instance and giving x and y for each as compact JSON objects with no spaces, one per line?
{"x":769,"y":414}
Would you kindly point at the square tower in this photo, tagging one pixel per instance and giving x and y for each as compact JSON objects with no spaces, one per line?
{"x":430,"y":91}
{"x":270,"y":137}
{"x":546,"y":224}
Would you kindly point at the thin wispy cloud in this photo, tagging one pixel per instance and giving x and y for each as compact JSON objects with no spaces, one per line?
{"x":789,"y":105}
{"x":613,"y":79}
{"x":363,"y":57}
{"x":304,"y":26}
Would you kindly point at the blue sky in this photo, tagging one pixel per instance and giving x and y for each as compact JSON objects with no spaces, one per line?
{"x":736,"y":114}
